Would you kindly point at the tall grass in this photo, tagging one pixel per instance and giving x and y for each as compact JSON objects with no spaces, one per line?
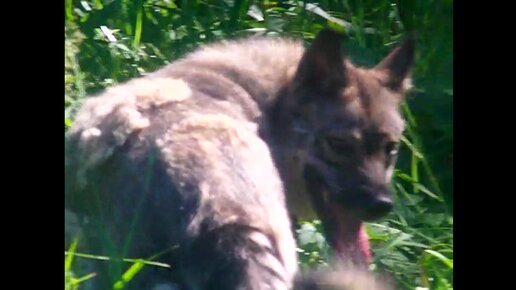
{"x":111,"y":41}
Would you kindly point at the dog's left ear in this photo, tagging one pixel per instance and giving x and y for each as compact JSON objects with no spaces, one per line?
{"x":398,"y":63}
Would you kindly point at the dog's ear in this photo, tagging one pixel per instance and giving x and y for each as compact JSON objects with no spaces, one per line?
{"x":322,"y":65}
{"x":397,"y":65}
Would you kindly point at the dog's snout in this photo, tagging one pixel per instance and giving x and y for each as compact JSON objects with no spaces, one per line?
{"x":381,"y":206}
{"x":367,"y":203}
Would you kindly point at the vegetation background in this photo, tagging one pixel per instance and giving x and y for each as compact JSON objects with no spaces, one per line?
{"x":110,"y":41}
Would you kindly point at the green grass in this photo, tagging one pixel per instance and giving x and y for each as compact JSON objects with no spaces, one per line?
{"x":71,"y":282}
{"x":111,"y":41}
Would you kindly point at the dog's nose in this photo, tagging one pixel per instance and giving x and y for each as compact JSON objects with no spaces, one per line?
{"x":381,"y":206}
{"x":369,"y":205}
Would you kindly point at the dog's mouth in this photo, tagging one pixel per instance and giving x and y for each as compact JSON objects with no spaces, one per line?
{"x":345,"y":231}
{"x":346,"y":215}
{"x":348,"y":236}
{"x":343,"y":209}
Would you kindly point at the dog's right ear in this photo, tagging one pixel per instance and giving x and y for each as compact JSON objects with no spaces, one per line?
{"x":322,"y":65}
{"x":398,"y":63}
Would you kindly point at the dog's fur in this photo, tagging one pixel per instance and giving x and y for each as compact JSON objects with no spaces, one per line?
{"x":188,"y":157}
{"x":342,"y":279}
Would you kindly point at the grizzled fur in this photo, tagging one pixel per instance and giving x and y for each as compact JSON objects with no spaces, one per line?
{"x":184,"y":161}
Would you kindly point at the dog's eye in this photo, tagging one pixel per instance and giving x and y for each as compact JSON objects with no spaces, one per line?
{"x":339,"y":145}
{"x":391,"y":148}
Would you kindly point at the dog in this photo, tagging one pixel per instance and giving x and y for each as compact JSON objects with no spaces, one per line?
{"x":212,"y":154}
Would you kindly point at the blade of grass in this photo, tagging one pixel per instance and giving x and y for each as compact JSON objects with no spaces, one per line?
{"x":105,"y":258}
{"x":129,"y":274}
{"x":417,"y":144}
{"x":448,"y":262}
{"x":71,"y":253}
{"x":138,"y":26}
{"x":98,"y":4}
{"x":69,"y":6}
{"x":426,"y":191}
{"x":83,"y":278}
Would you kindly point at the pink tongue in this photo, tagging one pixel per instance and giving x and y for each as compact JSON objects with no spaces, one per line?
{"x":352,"y":240}
{"x":363,"y":244}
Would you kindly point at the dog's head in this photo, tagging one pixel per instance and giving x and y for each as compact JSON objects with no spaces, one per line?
{"x":342,"y":126}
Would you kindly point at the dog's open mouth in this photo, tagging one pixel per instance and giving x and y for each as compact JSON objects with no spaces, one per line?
{"x":347,"y":234}
{"x":345,"y":231}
